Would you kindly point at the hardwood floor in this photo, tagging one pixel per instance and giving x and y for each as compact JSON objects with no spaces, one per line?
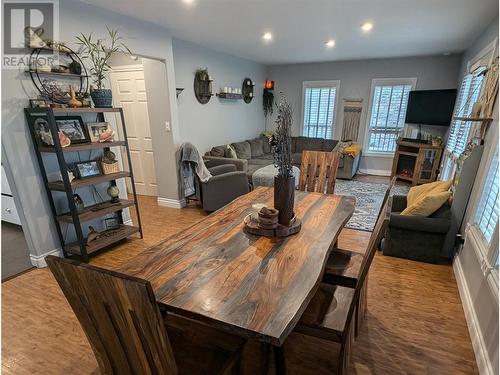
{"x":415,"y":322}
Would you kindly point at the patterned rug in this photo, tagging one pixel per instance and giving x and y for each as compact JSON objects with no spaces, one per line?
{"x":369,"y":197}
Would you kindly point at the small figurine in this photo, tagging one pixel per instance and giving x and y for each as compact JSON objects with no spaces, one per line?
{"x":73,"y":102}
{"x":78,"y":203}
{"x":113,"y":192}
{"x":93,"y":234}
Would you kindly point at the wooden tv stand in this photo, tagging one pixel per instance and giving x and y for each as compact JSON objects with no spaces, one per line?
{"x":416,"y":162}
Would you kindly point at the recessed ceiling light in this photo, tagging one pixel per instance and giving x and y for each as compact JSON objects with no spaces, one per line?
{"x":367,"y":26}
{"x":330,"y":43}
{"x":267,"y":36}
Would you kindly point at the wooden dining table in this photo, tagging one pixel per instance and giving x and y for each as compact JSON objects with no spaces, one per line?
{"x":252,"y":286}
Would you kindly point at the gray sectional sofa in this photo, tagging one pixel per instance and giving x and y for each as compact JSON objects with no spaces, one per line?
{"x":256,"y":153}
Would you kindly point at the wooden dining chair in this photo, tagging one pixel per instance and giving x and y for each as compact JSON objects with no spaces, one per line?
{"x":318,"y":171}
{"x":126,"y":330}
{"x":331,"y":313}
{"x":343,"y":266}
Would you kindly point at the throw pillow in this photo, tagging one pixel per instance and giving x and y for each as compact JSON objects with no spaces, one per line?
{"x":418,"y":192}
{"x":243,"y":150}
{"x":265,"y":145}
{"x":256,"y":147}
{"x":230,"y":152}
{"x":341,"y":146}
{"x":218,"y":151}
{"x":427,"y":205}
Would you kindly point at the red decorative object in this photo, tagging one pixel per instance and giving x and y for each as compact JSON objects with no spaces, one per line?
{"x":269,"y":84}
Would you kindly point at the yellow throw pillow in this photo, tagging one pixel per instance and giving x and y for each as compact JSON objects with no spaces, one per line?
{"x":418,"y":192}
{"x":427,"y":205}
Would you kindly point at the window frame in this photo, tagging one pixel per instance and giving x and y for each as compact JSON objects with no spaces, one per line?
{"x":412,"y":81}
{"x":319,"y":84}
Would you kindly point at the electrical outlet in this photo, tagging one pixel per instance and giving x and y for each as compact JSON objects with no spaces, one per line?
{"x":167,"y":126}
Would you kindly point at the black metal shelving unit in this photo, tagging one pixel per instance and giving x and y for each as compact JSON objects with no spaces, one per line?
{"x":80,"y":247}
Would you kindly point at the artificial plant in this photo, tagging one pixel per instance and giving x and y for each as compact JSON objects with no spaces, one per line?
{"x":281,"y":139}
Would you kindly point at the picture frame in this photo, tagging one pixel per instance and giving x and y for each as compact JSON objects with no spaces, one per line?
{"x":95,"y":129}
{"x":74,"y":128}
{"x":39,"y":103}
{"x":112,"y":223}
{"x":87,"y":169}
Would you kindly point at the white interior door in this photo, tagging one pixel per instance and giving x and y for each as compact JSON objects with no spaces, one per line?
{"x":129,"y":92}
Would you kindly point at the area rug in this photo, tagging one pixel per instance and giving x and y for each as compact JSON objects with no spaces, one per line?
{"x":369,"y":197}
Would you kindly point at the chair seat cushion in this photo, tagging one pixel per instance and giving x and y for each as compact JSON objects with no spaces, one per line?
{"x":327,"y":312}
{"x":200,"y":349}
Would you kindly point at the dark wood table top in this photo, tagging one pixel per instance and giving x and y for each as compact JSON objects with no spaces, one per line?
{"x":253,"y":286}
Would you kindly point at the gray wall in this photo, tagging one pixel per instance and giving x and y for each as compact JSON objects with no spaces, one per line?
{"x":75,"y":17}
{"x":479,"y":294}
{"x":434,"y":72}
{"x":219,"y":121}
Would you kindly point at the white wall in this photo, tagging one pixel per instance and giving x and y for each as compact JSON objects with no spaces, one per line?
{"x":479,"y":287}
{"x":434,"y":72}
{"x":219,"y":121}
{"x":75,"y":17}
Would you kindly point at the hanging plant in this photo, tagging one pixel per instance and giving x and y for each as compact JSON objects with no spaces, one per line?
{"x":268,"y":102}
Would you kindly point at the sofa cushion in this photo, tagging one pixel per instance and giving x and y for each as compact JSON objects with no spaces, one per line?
{"x":218,"y":151}
{"x":266,"y":146}
{"x":329,"y":145}
{"x":243,"y":150}
{"x":230,"y":152}
{"x":308,"y":144}
{"x":256,"y":147}
{"x":259,"y":161}
{"x":269,"y":157}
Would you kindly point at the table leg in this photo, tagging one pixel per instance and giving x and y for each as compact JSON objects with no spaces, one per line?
{"x":279,"y":360}
{"x":264,"y":357}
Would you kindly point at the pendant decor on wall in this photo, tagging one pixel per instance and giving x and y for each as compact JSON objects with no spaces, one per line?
{"x":352,"y":117}
{"x":202,"y":86}
{"x":247,"y":90}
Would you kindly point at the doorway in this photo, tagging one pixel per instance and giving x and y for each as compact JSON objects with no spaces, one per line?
{"x":129,"y":92}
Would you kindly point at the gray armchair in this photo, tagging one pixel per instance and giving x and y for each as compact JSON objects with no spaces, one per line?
{"x":416,"y":237}
{"x":225,"y":185}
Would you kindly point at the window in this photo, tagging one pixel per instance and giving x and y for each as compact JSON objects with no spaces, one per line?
{"x":389,"y":98}
{"x":487,"y":211}
{"x":319,"y":100}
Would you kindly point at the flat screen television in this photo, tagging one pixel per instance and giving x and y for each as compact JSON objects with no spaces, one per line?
{"x":430,"y":107}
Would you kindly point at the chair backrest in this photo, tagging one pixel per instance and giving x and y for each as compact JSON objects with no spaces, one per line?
{"x":318,"y":171}
{"x":373,"y":243}
{"x":120,"y":317}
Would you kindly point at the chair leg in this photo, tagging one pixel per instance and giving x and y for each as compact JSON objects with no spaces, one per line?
{"x":279,"y":360}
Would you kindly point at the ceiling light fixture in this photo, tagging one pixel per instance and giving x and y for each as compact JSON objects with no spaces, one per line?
{"x":267,"y":36}
{"x":367,"y":26}
{"x":330,"y":43}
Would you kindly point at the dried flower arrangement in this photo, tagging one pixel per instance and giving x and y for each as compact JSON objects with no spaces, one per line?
{"x":281,"y":139}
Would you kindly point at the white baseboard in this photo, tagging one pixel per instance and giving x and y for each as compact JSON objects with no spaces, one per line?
{"x":172,"y":203}
{"x":478,"y":344}
{"x":376,"y":172}
{"x":39,"y":260}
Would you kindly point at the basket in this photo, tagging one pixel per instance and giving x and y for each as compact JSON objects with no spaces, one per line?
{"x":108,"y":168}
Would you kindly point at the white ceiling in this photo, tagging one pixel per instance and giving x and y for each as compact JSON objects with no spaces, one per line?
{"x":301,"y":27}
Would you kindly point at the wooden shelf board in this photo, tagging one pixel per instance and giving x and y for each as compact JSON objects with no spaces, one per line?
{"x":403,"y":177}
{"x":76,"y":183}
{"x":480,"y":119}
{"x":418,"y":145}
{"x":97,"y":210}
{"x":70,"y":75}
{"x":84,"y":146}
{"x":85,"y":110}
{"x":415,"y":154}
{"x":100,"y":243}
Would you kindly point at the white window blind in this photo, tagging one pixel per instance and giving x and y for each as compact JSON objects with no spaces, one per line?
{"x":387,"y":115}
{"x":487,"y":211}
{"x":470,"y":91}
{"x":319,"y":109}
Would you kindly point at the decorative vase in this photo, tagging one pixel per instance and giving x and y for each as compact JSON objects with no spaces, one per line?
{"x":75,"y":67}
{"x":102,"y":98}
{"x":73,"y":102}
{"x":113,"y":192}
{"x":78,"y":203}
{"x":284,"y":197}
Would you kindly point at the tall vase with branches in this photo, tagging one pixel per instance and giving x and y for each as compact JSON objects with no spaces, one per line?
{"x":284,"y":182}
{"x":98,"y":51}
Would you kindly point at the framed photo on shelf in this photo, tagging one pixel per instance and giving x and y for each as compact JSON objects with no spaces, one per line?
{"x":112,"y":223}
{"x":87,"y":169}
{"x":39,"y":103}
{"x":95,"y":129}
{"x":74,"y":128}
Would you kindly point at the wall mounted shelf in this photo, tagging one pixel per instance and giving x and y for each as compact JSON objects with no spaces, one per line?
{"x":225,"y":95}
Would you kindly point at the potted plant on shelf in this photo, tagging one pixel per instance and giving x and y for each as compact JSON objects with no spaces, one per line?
{"x":98,"y":52}
{"x":284,"y":182}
